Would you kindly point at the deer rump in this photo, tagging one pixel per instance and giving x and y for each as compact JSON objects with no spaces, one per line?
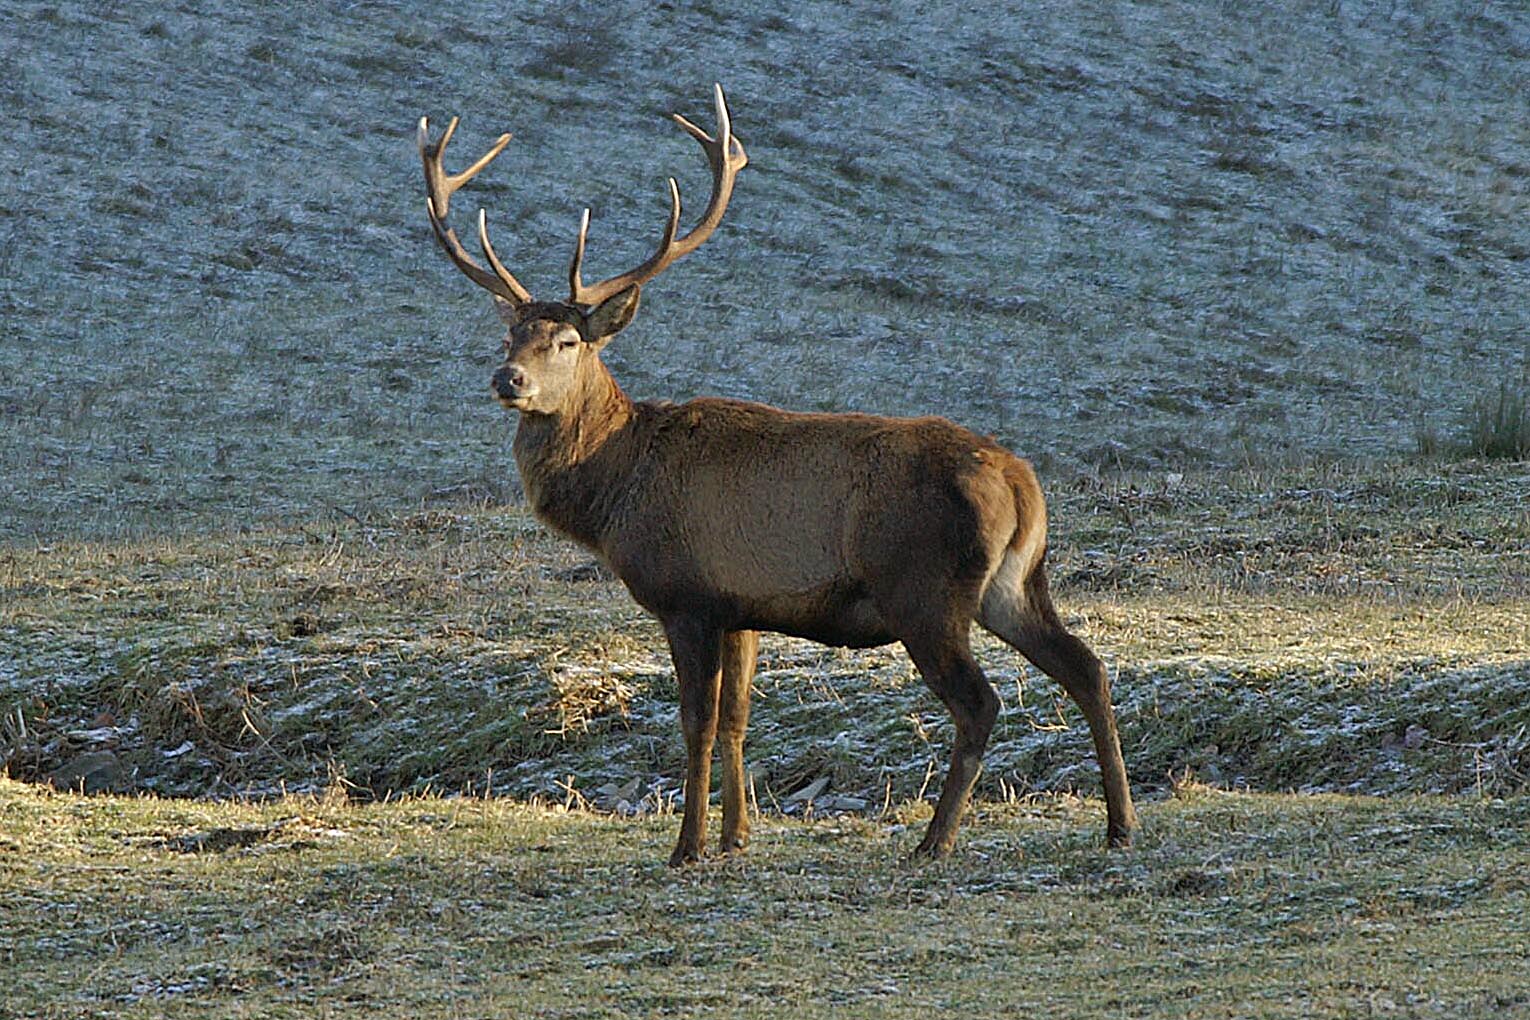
{"x":836,"y":528}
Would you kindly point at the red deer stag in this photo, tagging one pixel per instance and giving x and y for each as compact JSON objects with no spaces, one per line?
{"x":725,"y":518}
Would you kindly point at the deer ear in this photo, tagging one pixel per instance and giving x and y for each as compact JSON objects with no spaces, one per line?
{"x":508,"y":314}
{"x":611,"y":316}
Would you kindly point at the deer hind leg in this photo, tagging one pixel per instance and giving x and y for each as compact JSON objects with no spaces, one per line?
{"x":947,"y":665}
{"x":696,"y":650}
{"x":1018,"y":608}
{"x":739,"y":652}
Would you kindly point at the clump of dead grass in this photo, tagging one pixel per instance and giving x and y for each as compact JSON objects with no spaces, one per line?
{"x":1494,"y":425}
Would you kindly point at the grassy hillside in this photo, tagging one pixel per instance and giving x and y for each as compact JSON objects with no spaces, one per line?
{"x":1141,"y":235}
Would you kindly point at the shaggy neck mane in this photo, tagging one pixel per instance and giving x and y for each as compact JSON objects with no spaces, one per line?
{"x":573,"y":462}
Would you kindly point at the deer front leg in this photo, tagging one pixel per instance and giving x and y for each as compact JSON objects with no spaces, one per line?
{"x":739,"y":652}
{"x":696,"y":650}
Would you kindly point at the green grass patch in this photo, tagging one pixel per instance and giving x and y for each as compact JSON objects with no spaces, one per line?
{"x":1499,"y":425}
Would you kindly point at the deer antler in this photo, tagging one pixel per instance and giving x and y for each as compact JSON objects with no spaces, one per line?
{"x":726,"y":155}
{"x":439,"y":188}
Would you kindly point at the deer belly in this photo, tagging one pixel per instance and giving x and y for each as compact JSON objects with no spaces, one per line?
{"x":834,"y":614}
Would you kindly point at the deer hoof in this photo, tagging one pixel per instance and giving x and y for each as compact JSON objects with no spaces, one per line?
{"x":684,"y":855}
{"x":931,"y":848}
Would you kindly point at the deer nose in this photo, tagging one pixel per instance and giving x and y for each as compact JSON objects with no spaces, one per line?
{"x":509,"y":381}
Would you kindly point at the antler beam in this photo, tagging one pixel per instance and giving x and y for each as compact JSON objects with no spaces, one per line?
{"x":726,"y":156}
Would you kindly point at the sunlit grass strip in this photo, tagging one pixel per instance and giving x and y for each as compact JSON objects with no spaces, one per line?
{"x":1299,"y":906}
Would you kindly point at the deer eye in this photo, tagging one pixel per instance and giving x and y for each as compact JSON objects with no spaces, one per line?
{"x":565,"y":341}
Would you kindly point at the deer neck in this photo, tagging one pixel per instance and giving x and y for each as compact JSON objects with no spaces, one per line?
{"x":574,"y":463}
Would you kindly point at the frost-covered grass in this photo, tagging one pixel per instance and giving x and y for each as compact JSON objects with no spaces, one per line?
{"x":1150,"y":235}
{"x":1360,"y":630}
{"x":1231,"y":905}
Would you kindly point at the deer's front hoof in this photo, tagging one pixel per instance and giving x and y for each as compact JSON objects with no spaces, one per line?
{"x":932,"y":848}
{"x":684,"y":854}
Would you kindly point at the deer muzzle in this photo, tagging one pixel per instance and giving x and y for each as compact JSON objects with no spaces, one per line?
{"x":512,"y":385}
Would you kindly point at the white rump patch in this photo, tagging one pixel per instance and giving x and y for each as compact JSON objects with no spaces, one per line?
{"x":1005,"y":610}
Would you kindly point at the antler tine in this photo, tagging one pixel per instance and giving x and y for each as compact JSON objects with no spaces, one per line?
{"x":521,"y":294}
{"x":439,"y":188}
{"x":491,"y":282}
{"x":575,"y":285}
{"x":724,"y":128}
{"x":726,"y":156}
{"x":674,"y":215}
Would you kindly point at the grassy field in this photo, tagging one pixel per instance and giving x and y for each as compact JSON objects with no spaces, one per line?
{"x":1232,"y":906}
{"x":444,"y":764}
{"x":303,"y":715}
{"x":1352,"y":630}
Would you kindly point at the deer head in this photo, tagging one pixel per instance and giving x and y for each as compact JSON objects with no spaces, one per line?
{"x":552,"y":346}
